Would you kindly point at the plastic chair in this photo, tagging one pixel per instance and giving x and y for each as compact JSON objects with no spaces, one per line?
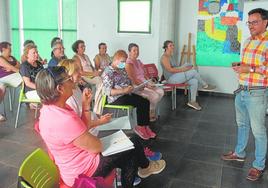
{"x":116,"y":107}
{"x":38,"y":170}
{"x":11,"y":94}
{"x":23,"y":99}
{"x":151,"y":72}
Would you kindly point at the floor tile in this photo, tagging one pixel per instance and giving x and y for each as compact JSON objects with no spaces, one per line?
{"x":199,"y":173}
{"x":204,"y":154}
{"x":236,"y":178}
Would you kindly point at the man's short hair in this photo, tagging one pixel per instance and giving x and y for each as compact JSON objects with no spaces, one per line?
{"x":261,"y":11}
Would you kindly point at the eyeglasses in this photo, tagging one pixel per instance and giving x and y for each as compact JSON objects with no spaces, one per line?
{"x":56,"y":73}
{"x":67,"y":79}
{"x":254,"y":23}
{"x":60,"y":48}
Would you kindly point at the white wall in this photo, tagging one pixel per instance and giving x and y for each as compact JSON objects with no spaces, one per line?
{"x":223,"y":77}
{"x":4,"y":21}
{"x":172,"y":19}
{"x":98,"y":23}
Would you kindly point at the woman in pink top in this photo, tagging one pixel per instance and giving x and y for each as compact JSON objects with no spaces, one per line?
{"x":75,"y":150}
{"x":75,"y":101}
{"x":134,"y":68}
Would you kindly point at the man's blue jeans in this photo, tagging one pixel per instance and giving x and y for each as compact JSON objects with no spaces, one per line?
{"x":250,"y":109}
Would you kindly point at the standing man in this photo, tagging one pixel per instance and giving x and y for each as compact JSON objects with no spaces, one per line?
{"x":251,"y":96}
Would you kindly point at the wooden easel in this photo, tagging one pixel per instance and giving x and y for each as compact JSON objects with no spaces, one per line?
{"x":191,"y":55}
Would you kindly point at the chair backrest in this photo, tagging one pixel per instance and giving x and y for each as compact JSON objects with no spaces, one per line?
{"x":151,"y":71}
{"x":22,"y":97}
{"x":39,"y":171}
{"x":103,"y":100}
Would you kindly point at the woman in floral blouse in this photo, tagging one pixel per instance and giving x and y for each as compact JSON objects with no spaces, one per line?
{"x":119,"y":90}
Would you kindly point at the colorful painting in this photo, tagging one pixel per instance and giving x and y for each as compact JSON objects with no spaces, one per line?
{"x":219,"y":32}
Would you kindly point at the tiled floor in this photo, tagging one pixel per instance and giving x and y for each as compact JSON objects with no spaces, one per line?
{"x":191,"y":143}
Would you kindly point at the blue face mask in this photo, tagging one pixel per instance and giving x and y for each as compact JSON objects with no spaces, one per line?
{"x":121,"y":65}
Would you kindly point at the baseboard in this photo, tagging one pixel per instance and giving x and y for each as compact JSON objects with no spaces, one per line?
{"x":208,"y":93}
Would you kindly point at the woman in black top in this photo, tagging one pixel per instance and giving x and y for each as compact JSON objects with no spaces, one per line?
{"x":29,"y":70}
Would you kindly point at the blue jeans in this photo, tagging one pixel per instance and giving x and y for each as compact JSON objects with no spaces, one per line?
{"x":250,"y":109}
{"x":192,"y":77}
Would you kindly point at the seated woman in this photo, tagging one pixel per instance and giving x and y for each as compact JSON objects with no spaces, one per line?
{"x":22,"y":60}
{"x":89,"y":73}
{"x":57,"y":53}
{"x":76,"y":102}
{"x":118,"y":88}
{"x":2,"y":96}
{"x":135,"y":71}
{"x":9,"y":68}
{"x":186,"y":73}
{"x":75,"y":150}
{"x":102,"y":59}
{"x":29,"y":70}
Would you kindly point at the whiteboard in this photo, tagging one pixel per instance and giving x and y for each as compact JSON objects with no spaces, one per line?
{"x":247,"y":7}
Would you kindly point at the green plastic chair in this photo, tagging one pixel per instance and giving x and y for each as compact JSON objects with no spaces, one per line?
{"x":23,"y":99}
{"x":38,"y":171}
{"x":116,"y":107}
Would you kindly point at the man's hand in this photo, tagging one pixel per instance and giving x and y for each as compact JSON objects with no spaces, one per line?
{"x":241,"y":69}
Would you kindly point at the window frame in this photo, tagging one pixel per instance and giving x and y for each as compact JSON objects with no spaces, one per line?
{"x":21,"y":29}
{"x":137,"y":32}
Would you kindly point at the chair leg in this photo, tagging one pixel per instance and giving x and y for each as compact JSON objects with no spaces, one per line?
{"x":17,"y":116}
{"x":4,"y":106}
{"x":116,"y":113}
{"x":10,"y":98}
{"x":175,"y":97}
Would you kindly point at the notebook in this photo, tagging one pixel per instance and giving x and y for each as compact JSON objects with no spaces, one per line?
{"x":116,"y":124}
{"x":138,"y":87}
{"x":116,"y":143}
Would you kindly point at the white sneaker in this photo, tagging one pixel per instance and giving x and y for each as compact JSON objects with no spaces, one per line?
{"x":2,"y":118}
{"x":194,"y":105}
{"x":155,"y":167}
{"x":208,"y":87}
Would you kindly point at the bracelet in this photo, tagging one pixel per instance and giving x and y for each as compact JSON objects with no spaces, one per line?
{"x":86,"y":110}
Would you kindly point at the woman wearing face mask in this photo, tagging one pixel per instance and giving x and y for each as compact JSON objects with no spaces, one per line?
{"x":118,"y":88}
